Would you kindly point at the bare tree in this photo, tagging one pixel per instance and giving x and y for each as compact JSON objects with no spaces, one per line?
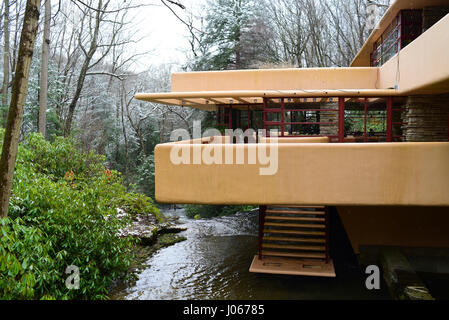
{"x":98,"y":44}
{"x":291,"y":30}
{"x":44,"y":70}
{"x":16,"y":26}
{"x":5,"y":55}
{"x":135,"y":121}
{"x":319,"y":33}
{"x":95,"y":29}
{"x":18,"y":95}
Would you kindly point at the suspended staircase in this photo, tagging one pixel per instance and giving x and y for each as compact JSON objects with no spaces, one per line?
{"x":294,"y":239}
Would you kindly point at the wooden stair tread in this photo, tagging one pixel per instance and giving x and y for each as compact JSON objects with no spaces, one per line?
{"x":293,"y":266}
{"x":308,"y":233}
{"x":295,"y":212}
{"x":290,"y":239}
{"x":293,"y":232}
{"x":293,"y":247}
{"x":297,"y":206}
{"x":295,"y":255}
{"x":294,"y":218}
{"x":295,"y":225}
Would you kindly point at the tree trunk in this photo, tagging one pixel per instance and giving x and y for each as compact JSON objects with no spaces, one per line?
{"x":82,"y":76}
{"x":125,"y":139}
{"x":18,"y":96}
{"x":44,"y":71}
{"x":5,"y":60}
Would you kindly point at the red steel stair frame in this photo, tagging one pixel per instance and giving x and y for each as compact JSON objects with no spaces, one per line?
{"x":294,"y":231}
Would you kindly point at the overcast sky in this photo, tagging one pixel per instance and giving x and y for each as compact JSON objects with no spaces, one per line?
{"x":163,"y":33}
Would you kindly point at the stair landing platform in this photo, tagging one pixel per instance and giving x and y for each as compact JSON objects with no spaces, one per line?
{"x":292,"y":266}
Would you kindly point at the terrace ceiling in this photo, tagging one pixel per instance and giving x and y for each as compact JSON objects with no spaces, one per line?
{"x":208,"y":100}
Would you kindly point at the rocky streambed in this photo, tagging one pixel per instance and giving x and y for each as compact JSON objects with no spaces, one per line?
{"x":148,"y":229}
{"x":213,"y":263}
{"x":152,"y":236}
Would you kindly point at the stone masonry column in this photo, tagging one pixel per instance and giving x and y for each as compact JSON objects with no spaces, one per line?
{"x":329,"y":116}
{"x":427,"y":118}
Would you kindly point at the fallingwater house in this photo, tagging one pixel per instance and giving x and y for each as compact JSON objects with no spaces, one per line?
{"x":368,"y":143}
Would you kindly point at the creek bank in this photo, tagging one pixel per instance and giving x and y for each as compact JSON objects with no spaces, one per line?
{"x":151,"y":235}
{"x":147,"y":228}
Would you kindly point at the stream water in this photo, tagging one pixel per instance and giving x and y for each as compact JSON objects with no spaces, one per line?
{"x":213,"y":263}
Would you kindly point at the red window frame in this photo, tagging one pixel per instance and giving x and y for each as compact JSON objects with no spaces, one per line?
{"x":395,"y":30}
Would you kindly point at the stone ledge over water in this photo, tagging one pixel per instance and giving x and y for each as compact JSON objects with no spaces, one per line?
{"x":147,"y":228}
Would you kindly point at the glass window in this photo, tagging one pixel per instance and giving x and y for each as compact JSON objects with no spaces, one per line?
{"x":405,"y":28}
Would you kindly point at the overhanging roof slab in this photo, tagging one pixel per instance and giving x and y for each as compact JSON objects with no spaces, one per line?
{"x":276,"y":79}
{"x":363,"y":56}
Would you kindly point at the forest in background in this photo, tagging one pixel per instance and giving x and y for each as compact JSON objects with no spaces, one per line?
{"x":84,"y":167}
{"x":93,"y":71}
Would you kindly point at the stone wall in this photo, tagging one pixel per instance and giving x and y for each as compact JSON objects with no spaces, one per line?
{"x":427,"y":118}
{"x":329,"y":116}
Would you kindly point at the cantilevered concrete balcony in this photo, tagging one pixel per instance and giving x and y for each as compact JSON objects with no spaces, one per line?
{"x":303,"y":172}
{"x":386,"y":193}
{"x":317,"y":173}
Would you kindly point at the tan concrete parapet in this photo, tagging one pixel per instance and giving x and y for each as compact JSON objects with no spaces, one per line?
{"x":312,"y":173}
{"x":422,"y":67}
{"x":295,"y":140}
{"x":276,"y":79}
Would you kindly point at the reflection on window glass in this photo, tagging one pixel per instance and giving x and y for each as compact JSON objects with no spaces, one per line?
{"x":405,"y":28}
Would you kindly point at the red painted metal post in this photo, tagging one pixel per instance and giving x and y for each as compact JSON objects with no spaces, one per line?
{"x":264,"y":113}
{"x":239,"y":119}
{"x":292,"y":119}
{"x":402,"y":29}
{"x":366,"y":112}
{"x":230,"y":117}
{"x":341,"y":119}
{"x":265,"y":116}
{"x":282,"y":117}
{"x":390,"y":119}
{"x":262,"y":211}
{"x":327,"y":218}
{"x":225,"y":116}
{"x":218,"y":116}
{"x":222,"y":116}
{"x":250,"y":116}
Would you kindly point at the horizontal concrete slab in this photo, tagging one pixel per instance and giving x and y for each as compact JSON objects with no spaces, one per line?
{"x":276,"y":79}
{"x":305,"y":173}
